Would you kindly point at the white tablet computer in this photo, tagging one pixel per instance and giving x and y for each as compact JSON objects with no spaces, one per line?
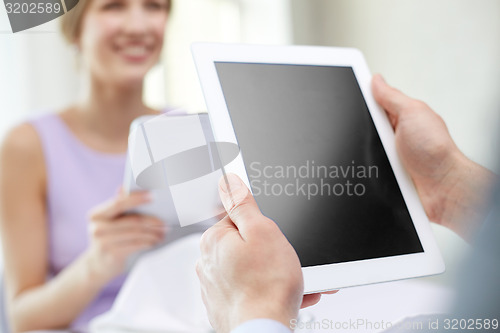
{"x":170,"y":156}
{"x":319,"y":155}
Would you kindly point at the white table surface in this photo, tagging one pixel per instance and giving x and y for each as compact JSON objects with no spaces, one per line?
{"x":375,"y":307}
{"x":378,"y":304}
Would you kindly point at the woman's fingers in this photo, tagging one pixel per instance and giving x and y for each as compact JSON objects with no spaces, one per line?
{"x":133,"y":223}
{"x":132,"y":238}
{"x":127,"y":233}
{"x":120,"y":246}
{"x":120,"y":205}
{"x":130,"y":248}
{"x":116,"y":233}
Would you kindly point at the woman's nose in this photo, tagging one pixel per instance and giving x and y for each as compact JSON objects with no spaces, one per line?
{"x":136,"y":21}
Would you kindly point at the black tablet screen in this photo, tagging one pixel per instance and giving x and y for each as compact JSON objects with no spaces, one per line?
{"x":315,"y":161}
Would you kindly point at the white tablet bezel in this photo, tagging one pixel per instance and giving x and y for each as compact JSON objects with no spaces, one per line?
{"x":340,"y":275}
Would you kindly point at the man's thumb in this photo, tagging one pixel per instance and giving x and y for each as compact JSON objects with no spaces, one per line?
{"x":239,"y":203}
{"x":391,"y":99}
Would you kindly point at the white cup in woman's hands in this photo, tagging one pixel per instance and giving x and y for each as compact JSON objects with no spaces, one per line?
{"x":116,"y":234}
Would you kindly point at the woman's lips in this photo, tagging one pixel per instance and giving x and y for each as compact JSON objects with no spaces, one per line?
{"x":135,"y":53}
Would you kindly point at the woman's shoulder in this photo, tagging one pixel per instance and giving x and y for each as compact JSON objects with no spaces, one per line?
{"x":22,"y":166}
{"x":21,"y":140}
{"x":21,"y":152}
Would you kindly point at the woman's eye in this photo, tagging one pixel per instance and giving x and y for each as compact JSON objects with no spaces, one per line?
{"x":155,"y":5}
{"x":113,"y":5}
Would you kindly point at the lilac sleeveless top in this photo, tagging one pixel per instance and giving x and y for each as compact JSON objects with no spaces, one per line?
{"x":78,"y":179}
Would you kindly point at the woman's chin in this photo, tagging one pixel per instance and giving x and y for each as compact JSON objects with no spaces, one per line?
{"x":131,"y":80}
{"x":124,"y":76}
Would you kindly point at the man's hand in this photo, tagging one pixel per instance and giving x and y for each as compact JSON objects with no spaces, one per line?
{"x":452,"y":188}
{"x":248,"y":269}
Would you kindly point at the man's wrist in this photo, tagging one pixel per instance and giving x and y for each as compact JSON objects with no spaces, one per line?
{"x":277,"y":312}
{"x":465,"y":196}
{"x":262,"y":325}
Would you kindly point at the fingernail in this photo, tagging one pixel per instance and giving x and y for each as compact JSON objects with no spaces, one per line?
{"x":230,"y":183}
{"x":232,"y":191}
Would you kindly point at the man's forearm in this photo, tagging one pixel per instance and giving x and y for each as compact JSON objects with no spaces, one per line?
{"x":467,"y":198}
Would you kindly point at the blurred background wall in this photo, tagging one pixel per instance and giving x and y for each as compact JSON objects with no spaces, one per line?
{"x":445,"y":52}
{"x":442,"y":51}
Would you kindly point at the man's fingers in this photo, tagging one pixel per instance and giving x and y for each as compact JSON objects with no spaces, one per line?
{"x":310,"y":300}
{"x":391,"y":99}
{"x":213,"y":235}
{"x":239,"y":203}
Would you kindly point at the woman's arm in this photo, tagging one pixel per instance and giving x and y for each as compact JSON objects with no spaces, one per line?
{"x":32,"y":302}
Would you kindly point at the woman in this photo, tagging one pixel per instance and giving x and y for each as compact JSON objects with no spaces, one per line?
{"x":57,"y":170}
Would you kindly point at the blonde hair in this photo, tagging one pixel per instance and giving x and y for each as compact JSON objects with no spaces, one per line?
{"x":71,"y":21}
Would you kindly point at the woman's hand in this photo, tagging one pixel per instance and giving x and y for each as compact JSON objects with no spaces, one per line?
{"x":116,"y":234}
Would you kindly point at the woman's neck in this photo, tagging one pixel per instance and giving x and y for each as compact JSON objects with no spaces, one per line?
{"x":108,"y":110}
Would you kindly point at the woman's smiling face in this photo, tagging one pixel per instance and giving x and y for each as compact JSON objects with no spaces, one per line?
{"x":120,"y":40}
